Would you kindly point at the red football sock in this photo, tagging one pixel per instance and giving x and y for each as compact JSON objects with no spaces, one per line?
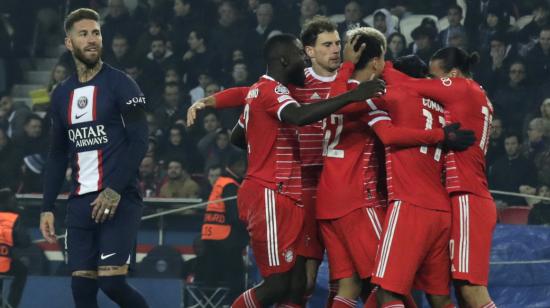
{"x":341,"y":302}
{"x":490,"y":304}
{"x":451,"y":305}
{"x":371,"y":300}
{"x":394,"y":304}
{"x":332,"y":291}
{"x":247,"y":300}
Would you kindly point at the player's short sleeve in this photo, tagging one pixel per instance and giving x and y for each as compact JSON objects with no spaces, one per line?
{"x":375,"y":116}
{"x":278,"y":98}
{"x":128,"y":93}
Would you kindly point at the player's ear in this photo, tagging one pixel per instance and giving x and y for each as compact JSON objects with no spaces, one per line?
{"x":68,"y":43}
{"x":309,"y":51}
{"x":453,"y":73}
{"x":284,"y":61}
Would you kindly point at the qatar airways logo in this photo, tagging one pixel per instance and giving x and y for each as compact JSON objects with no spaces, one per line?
{"x":88,"y":136}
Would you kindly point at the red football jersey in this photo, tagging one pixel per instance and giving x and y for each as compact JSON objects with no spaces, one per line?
{"x":352,"y":165}
{"x":465,"y":102}
{"x":273,"y":156}
{"x":414,"y":174}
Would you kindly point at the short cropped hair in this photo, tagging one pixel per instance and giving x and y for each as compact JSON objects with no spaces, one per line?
{"x":375,"y":41}
{"x":314,"y":27}
{"x":78,"y":15}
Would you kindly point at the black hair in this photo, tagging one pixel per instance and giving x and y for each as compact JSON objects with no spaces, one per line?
{"x":455,"y":57}
{"x":374,"y":41}
{"x":314,"y":27}
{"x":456,"y":7}
{"x":411,"y":65}
{"x":513,"y":134}
{"x":31,"y":117}
{"x":277,"y":46}
{"x":78,"y":15}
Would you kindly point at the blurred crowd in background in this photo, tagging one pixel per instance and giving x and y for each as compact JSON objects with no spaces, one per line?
{"x":179,"y":51}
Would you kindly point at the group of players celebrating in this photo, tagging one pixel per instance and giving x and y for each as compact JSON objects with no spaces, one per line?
{"x":370,"y":160}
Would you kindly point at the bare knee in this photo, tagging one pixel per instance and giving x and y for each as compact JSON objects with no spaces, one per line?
{"x":473,"y":295}
{"x":350,"y":287}
{"x":439,"y":301}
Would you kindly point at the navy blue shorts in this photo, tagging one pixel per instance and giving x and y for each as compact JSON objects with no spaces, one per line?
{"x":111,"y":243}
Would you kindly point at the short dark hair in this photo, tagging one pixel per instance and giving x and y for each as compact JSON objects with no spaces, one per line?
{"x":78,"y":15}
{"x":158,"y":37}
{"x":373,"y":39}
{"x":455,"y":7}
{"x":201,"y":34}
{"x":119,"y":35}
{"x":454,"y":57}
{"x":411,"y":65}
{"x":277,"y":45}
{"x":512,"y":135}
{"x":317,"y":25}
{"x":31,"y":117}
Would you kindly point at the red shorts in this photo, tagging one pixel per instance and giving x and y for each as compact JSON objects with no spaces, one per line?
{"x":414,"y":250}
{"x":310,"y":245}
{"x":274,"y":223}
{"x":352,"y":241}
{"x":474,"y":220}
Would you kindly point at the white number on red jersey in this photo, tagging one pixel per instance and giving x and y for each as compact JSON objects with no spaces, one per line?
{"x":329,"y":148}
{"x":429,"y":125}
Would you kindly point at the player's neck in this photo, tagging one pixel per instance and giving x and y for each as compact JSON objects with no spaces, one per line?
{"x":278,"y":76}
{"x":363,"y":74}
{"x":86,"y":73}
{"x":319,"y":70}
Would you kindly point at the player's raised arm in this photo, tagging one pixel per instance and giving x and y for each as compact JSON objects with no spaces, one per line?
{"x":56,"y":165}
{"x":306,"y":114}
{"x":228,"y":98}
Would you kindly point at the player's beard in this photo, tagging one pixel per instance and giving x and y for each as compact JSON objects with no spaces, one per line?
{"x":89,"y":62}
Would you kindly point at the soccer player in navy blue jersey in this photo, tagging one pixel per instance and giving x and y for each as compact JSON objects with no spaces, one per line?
{"x":99,"y":128}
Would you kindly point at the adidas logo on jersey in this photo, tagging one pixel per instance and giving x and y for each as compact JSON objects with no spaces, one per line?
{"x":315,"y":95}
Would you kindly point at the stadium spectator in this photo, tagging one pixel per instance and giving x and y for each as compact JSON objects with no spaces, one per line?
{"x":172,"y":107}
{"x":353,"y":13}
{"x":198,"y":92}
{"x":496,"y":142}
{"x":538,"y":58}
{"x":179,"y":146}
{"x":211,"y":125}
{"x":239,"y":75}
{"x":12,"y":116}
{"x":159,"y":55}
{"x":536,"y":143}
{"x":31,"y":174}
{"x":308,"y":9}
{"x":155,"y":27}
{"x":227,"y":33}
{"x":178,"y":183}
{"x":118,"y":20}
{"x":185,"y":19}
{"x":397,"y":45}
{"x":510,"y":172}
{"x":541,"y":20}
{"x":383,"y":22}
{"x":148,"y":177}
{"x":10,"y":162}
{"x":199,"y":57}
{"x":515,"y":98}
{"x":454,"y":16}
{"x":32,"y":141}
{"x":424,"y":44}
{"x":263,"y":27}
{"x":495,"y":22}
{"x":540,"y":213}
{"x":221,"y":151}
{"x":119,"y":52}
{"x":400,"y":8}
{"x":492,"y":71}
{"x":59,"y":73}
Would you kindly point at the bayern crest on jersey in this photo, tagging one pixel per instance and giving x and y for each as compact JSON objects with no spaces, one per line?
{"x":289,"y":255}
{"x":82,"y":102}
{"x":281,"y":90}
